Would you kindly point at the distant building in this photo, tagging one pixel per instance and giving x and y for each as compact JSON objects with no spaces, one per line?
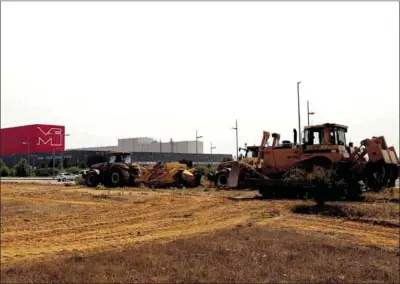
{"x":32,"y":138}
{"x":43,"y":146}
{"x":146,"y":144}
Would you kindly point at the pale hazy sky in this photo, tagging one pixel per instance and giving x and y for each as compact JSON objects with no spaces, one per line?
{"x":162,"y":69}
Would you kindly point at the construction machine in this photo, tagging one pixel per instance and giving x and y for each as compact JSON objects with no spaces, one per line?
{"x":118,"y":170}
{"x":169,"y":175}
{"x":343,"y":169}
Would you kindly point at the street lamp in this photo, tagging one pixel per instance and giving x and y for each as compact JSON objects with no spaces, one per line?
{"x":308,"y":114}
{"x":29,"y":165}
{"x":62,"y":153}
{"x":211,"y":148}
{"x":237,"y":140}
{"x":197,"y":137}
{"x":298,"y":105}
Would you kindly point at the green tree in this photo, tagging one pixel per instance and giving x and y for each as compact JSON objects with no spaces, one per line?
{"x":73,"y":170}
{"x":82,"y":165}
{"x":22,"y":168}
{"x":4,"y":170}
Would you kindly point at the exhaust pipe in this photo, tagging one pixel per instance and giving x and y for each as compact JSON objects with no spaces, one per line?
{"x":294,"y":136}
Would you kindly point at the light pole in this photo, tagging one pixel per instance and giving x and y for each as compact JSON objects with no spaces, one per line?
{"x":298,"y":106}
{"x":13,"y":159}
{"x":308,"y":114}
{"x":237,"y":140}
{"x":211,"y":148}
{"x":54,"y":159}
{"x":29,"y":165}
{"x":197,"y":137}
{"x":62,"y":153}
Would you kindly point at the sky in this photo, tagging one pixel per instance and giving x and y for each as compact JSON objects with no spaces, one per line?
{"x":164,"y":69}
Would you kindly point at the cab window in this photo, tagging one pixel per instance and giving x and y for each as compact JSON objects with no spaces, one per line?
{"x":127,"y":159}
{"x":313,"y":136}
{"x":341,"y":137}
{"x":251,"y":153}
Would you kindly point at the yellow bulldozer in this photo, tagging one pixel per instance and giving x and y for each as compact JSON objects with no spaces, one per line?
{"x":284,"y":166}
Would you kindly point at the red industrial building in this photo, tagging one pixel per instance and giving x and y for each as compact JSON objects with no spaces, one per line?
{"x":35,"y":138}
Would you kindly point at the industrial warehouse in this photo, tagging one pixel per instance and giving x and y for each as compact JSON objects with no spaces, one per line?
{"x":43,"y":145}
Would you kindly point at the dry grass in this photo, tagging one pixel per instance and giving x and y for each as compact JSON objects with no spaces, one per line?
{"x":378,"y":208}
{"x":250,"y":254}
{"x":72,"y":234}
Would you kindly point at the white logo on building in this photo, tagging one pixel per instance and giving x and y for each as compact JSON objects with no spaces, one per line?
{"x":53,"y":136}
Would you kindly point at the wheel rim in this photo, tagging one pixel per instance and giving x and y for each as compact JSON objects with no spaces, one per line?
{"x":115,"y":177}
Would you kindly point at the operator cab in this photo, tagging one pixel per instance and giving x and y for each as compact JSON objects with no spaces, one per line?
{"x":325,"y":134}
{"x":251,"y":152}
{"x":120,"y":158}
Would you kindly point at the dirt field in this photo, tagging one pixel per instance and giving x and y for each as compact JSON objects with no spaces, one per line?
{"x":53,"y":233}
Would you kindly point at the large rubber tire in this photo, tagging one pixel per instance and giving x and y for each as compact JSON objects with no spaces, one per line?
{"x":394,"y":176}
{"x":179,"y":181}
{"x":222,"y":180}
{"x":92,"y":179}
{"x":376,"y":177}
{"x":118,"y":177}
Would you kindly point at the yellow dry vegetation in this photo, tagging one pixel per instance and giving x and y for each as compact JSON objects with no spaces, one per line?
{"x":46,"y":221}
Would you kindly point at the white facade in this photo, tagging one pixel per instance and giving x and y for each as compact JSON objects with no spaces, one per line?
{"x":145,"y":144}
{"x":100,"y":148}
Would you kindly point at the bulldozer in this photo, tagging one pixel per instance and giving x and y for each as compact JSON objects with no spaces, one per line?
{"x":118,"y":170}
{"x":344,"y":170}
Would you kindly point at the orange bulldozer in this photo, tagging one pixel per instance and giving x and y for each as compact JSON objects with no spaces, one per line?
{"x":323,"y":165}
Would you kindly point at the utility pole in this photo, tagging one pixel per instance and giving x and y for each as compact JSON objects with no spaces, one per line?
{"x":298,"y":106}
{"x":62,"y":153}
{"x":197,"y":137}
{"x":54,"y":159}
{"x":211,"y":148}
{"x":237,"y":140}
{"x":308,"y":114}
{"x":29,"y":164}
{"x":160,"y":146}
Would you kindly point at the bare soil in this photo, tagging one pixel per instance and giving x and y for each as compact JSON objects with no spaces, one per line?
{"x":53,"y":233}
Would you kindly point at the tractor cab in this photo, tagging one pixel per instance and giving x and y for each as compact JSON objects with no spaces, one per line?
{"x":325,"y":134}
{"x":119,"y":157}
{"x":250,"y":156}
{"x":327,"y":140}
{"x":252,"y":151}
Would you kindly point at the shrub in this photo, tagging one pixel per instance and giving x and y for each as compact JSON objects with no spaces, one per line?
{"x":80,"y":180}
{"x":22,"y":168}
{"x":207,"y":170}
{"x":82,"y":165}
{"x":4,"y":170}
{"x":13,"y":172}
{"x":46,"y":172}
{"x":74,"y":170}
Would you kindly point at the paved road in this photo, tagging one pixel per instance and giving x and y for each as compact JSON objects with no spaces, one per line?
{"x":31,"y":180}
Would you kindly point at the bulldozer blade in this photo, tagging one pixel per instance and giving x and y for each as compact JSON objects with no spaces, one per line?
{"x":233,"y":178}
